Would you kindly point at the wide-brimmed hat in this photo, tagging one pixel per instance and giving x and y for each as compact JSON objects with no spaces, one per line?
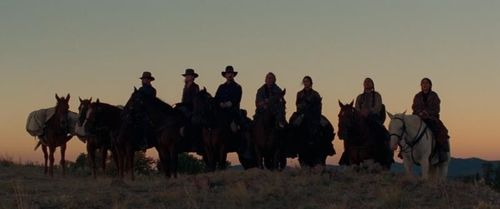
{"x":190,"y":72}
{"x":147,"y":75}
{"x":229,"y":69}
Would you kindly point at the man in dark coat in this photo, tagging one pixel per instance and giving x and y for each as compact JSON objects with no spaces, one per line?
{"x":228,"y":96}
{"x":147,"y":88}
{"x":191,"y":89}
{"x":145,"y":128}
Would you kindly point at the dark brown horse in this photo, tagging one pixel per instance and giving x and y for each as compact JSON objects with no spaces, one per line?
{"x":56,"y":134}
{"x":362,"y":141}
{"x":167,"y":124}
{"x":100,"y":122}
{"x":206,"y":112}
{"x":163,"y":131}
{"x":216,"y":130}
{"x":311,"y":141}
{"x":269,"y":134}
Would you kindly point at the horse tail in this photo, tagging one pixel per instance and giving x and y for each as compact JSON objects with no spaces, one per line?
{"x":38,"y":145}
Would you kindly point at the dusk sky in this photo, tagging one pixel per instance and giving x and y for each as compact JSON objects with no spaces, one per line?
{"x":99,"y":48}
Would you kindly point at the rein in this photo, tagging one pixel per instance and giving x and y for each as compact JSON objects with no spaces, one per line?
{"x":422,"y":131}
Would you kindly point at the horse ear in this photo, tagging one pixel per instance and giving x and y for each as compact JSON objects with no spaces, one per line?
{"x":352,"y":103}
{"x":404,"y":113}
{"x":204,"y":89}
{"x":340,"y":104}
{"x":284,"y":92}
{"x":68,"y":97}
{"x":135,"y":89}
{"x":90,"y":100}
{"x":97,"y":101}
{"x":79,"y":98}
{"x":57,"y":97}
{"x":391,"y":116}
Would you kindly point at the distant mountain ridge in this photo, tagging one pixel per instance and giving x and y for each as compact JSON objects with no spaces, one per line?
{"x":458,"y":167}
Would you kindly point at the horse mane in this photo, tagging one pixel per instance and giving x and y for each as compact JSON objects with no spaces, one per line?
{"x":163,"y":106}
{"x":107,"y":106}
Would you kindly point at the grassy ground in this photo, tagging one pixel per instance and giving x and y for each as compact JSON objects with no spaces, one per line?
{"x":24,"y":186}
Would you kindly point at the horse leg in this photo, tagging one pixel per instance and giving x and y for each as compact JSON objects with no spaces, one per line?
{"x":443,"y":169}
{"x":277,"y":160}
{"x":63,"y":158}
{"x":46,"y":157}
{"x":104,"y":155}
{"x":259,"y":157}
{"x":91,"y":153}
{"x":130,"y":156}
{"x":115,"y":158}
{"x":222,"y":157}
{"x":408,"y":164}
{"x":433,"y":171}
{"x":52,"y":149}
{"x":210,"y":162}
{"x":173,"y":160}
{"x":164,"y":162}
{"x":120,"y":157}
{"x":425,"y":168}
{"x":120,"y":154}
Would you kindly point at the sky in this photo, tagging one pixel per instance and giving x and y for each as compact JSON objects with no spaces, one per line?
{"x":99,"y":48}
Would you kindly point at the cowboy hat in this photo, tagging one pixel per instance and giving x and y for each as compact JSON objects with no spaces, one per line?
{"x":190,"y":72}
{"x":229,"y":69}
{"x":147,"y":75}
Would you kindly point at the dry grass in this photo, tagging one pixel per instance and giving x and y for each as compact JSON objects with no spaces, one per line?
{"x":26,"y":187}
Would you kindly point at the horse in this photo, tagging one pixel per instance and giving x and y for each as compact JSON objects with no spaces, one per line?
{"x":417,"y":144}
{"x":168,"y":123}
{"x":215,"y":130}
{"x":219,"y":135}
{"x":362,"y":141}
{"x":309,"y":140}
{"x":165,"y":124}
{"x":56,"y":134}
{"x":311,"y":147}
{"x":100,"y":122}
{"x":269,"y":132}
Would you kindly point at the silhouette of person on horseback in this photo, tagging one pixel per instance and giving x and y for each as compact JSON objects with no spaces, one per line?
{"x":309,"y":105}
{"x":369,"y":103}
{"x":228,"y":97}
{"x":147,"y":88}
{"x":313,"y":132}
{"x":189,"y":92}
{"x":191,"y":133}
{"x":145,"y":128}
{"x":426,"y":104}
{"x":267,"y":95}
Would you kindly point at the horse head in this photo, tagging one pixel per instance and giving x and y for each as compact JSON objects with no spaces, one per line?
{"x":133,"y":106}
{"x":397,"y":128}
{"x":82,"y":110}
{"x":61,"y":111}
{"x":277,"y":106}
{"x":347,"y":119}
{"x":204,"y":106}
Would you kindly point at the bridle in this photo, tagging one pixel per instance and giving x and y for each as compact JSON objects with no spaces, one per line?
{"x":410,"y":144}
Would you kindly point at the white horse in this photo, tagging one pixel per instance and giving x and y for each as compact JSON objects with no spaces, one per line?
{"x":417,"y":143}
